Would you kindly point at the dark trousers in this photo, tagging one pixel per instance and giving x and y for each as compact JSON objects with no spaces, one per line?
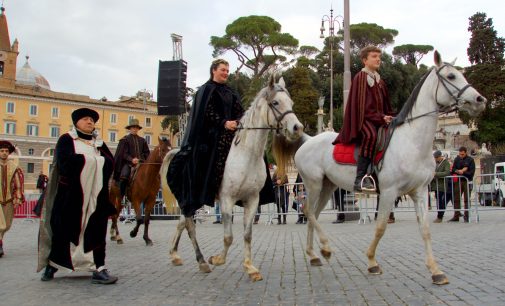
{"x":461,"y":189}
{"x":368,"y":139}
{"x":442,"y":199}
{"x":281,"y":197}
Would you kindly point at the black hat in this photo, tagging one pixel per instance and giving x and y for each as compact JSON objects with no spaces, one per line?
{"x":437,"y":154}
{"x":4,"y":144}
{"x":84,"y":112}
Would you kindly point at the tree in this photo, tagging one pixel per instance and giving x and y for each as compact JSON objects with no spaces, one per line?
{"x":250,"y":38}
{"x":364,"y":34}
{"x":485,"y":46}
{"x":411,"y":54}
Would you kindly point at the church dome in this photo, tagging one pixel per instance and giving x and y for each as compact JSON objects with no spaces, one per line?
{"x":28,"y":76}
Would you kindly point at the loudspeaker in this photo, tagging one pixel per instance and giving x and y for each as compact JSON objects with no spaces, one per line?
{"x":172,"y":87}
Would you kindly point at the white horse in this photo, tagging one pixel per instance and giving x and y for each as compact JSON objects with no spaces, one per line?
{"x":244,"y":174}
{"x":408,"y":163}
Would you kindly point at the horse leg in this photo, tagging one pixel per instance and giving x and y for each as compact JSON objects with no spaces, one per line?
{"x":226,"y":217}
{"x":325,"y":195}
{"x":148,"y":207}
{"x":191,"y":228}
{"x":250,"y":208}
{"x":138,"y":218}
{"x":113,"y":228}
{"x":420,"y":198}
{"x":386,"y":198}
{"x":314,"y":194}
{"x":176,"y":259}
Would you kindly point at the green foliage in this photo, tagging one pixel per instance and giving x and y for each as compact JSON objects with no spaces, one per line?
{"x":250,"y":37}
{"x":364,"y":34}
{"x":485,"y":46}
{"x":171,"y":121}
{"x":411,"y":54}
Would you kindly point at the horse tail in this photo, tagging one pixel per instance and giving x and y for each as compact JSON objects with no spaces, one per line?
{"x":283,"y":150}
{"x":168,"y":196}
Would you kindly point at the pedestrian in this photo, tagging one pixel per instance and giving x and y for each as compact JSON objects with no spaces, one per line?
{"x":41,"y":186}
{"x":132,"y":150}
{"x":300,"y":199}
{"x":77,"y":208}
{"x":217,"y":211}
{"x":463,"y":170}
{"x":368,"y":108}
{"x":281,"y":195}
{"x":11,"y":189}
{"x":438,"y":184}
{"x":196,"y":172}
{"x":339,"y":196}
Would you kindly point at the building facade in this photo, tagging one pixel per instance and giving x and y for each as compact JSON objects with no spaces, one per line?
{"x":32,"y":116}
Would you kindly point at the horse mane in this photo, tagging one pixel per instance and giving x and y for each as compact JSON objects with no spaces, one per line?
{"x":411,"y":101}
{"x":284,"y":149}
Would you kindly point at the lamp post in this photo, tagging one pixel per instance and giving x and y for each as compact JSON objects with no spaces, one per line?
{"x":331,"y":22}
{"x":320,"y":115}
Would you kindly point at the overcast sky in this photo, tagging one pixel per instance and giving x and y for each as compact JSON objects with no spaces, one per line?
{"x":112,"y":47}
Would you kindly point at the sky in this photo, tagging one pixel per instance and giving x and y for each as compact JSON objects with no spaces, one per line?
{"x":109,"y":48}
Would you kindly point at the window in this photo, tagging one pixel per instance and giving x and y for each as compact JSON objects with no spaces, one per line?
{"x":10,"y":127}
{"x":30,"y":168}
{"x":130,"y":117}
{"x":31,"y":151}
{"x":147,"y":137}
{"x":148,"y":121}
{"x":55,"y":131}
{"x":10,"y":108}
{"x":112,"y":136}
{"x":113,"y":118}
{"x":55,"y":113}
{"x":33,"y":110}
{"x":51,"y":152}
{"x":32,"y":130}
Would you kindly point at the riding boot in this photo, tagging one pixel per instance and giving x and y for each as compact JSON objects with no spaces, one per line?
{"x":362,"y":168}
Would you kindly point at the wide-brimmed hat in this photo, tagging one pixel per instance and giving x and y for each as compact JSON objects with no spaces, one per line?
{"x":133,"y":122}
{"x":80,"y":113}
{"x":4,"y":144}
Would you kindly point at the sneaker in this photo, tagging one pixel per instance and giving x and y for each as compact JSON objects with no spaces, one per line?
{"x":103,"y":277}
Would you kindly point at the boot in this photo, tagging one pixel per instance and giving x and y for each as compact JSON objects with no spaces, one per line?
{"x":1,"y":246}
{"x":122,"y":187}
{"x":465,"y":217}
{"x":391,"y":217}
{"x":361,"y":171}
{"x":284,"y":219}
{"x":456,"y":217}
{"x":48,"y":273}
{"x":300,"y":219}
{"x":279,"y":220}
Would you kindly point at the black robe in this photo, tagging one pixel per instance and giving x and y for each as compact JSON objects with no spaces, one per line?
{"x":129,"y":147}
{"x":63,"y":209}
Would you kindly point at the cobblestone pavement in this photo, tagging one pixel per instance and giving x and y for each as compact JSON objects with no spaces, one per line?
{"x":470,"y":254}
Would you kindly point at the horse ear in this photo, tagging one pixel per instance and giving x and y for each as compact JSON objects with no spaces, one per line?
{"x":282,"y":83}
{"x":160,"y":140}
{"x":454,"y":61}
{"x":271,"y":81}
{"x":438,"y":59}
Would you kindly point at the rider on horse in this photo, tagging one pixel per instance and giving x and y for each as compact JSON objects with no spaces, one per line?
{"x":131,"y":150}
{"x":368,"y":109}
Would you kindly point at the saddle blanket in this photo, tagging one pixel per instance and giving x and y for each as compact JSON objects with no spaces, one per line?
{"x":347,"y":154}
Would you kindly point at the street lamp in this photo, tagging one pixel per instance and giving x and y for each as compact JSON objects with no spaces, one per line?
{"x":331,"y":22}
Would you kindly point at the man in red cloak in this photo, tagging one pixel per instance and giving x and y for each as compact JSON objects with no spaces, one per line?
{"x":367,"y":109}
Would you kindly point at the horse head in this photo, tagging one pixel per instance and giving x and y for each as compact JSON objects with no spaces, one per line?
{"x":280,"y":113}
{"x":458,"y":93}
{"x":163,"y":148}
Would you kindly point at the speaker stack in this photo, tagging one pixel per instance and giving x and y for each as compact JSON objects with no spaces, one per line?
{"x":172,"y":87}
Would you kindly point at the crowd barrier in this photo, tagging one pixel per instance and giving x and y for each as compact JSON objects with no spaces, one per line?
{"x":484,"y":193}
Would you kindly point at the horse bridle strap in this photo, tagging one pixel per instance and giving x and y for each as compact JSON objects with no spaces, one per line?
{"x":446,"y":83}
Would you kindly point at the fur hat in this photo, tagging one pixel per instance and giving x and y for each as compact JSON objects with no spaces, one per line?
{"x":80,"y":113}
{"x":133,"y":122}
{"x":4,"y":144}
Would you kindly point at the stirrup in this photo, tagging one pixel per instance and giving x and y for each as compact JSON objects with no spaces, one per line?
{"x":368,"y":190}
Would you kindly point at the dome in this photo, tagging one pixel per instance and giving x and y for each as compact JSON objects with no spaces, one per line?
{"x":28,"y":76}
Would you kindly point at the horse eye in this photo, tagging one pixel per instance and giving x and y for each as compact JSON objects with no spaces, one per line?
{"x":451,"y":76}
{"x":275,"y":102}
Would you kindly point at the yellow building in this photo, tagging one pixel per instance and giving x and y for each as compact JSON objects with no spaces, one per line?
{"x":33,"y":116}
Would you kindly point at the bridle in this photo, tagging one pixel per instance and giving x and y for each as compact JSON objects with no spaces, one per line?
{"x":160,"y":157}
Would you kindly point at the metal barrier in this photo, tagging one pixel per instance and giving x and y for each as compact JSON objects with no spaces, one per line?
{"x":25,"y":210}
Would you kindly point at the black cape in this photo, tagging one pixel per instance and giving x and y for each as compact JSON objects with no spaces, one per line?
{"x":191,"y":174}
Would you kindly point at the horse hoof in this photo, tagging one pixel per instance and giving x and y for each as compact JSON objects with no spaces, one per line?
{"x":316,"y":262}
{"x":119,"y":241}
{"x":177,"y":262}
{"x":204,"y":267}
{"x":376,"y":270}
{"x":326,"y":254}
{"x":440,"y":279}
{"x":214,"y":260}
{"x":255,"y":276}
{"x":133,"y":234}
